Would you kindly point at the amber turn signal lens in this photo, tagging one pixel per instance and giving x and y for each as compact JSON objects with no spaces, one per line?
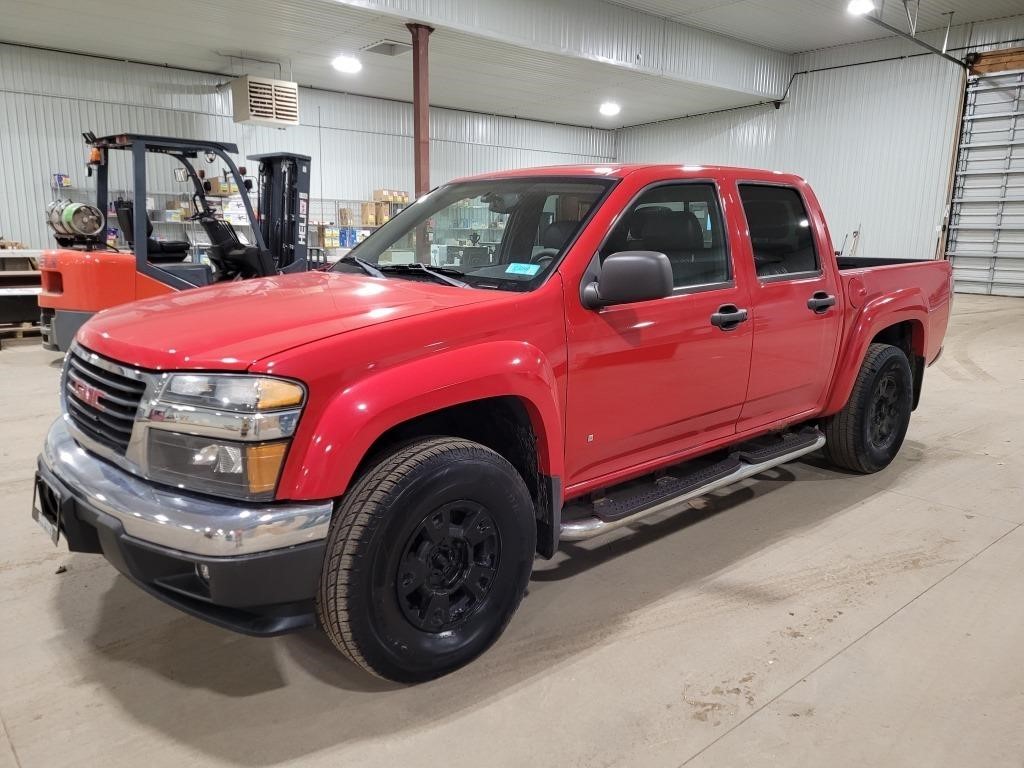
{"x":264,"y":465}
{"x":278,"y":394}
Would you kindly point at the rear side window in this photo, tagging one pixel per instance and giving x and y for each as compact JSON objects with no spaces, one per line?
{"x":780,"y":231}
{"x":684,"y":222}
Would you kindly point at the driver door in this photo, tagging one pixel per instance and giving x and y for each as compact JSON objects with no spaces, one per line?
{"x":652,"y":379}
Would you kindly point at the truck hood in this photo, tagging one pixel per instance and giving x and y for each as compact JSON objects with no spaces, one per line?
{"x":231,"y":326}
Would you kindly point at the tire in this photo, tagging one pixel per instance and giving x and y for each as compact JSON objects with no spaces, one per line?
{"x":867,"y":433}
{"x":428,"y":557}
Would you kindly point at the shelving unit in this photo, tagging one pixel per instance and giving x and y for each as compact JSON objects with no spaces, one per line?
{"x":337,"y":225}
{"x":452,"y":240}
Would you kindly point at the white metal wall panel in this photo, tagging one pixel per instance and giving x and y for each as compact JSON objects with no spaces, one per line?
{"x":977,"y":36}
{"x":357,"y":144}
{"x":987,"y":35}
{"x":986,"y":239}
{"x":874,"y":141}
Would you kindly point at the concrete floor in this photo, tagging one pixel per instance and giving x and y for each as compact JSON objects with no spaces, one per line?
{"x":811,"y":618}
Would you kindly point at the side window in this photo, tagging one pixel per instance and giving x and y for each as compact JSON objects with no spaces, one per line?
{"x":780,"y":231}
{"x":683,"y":221}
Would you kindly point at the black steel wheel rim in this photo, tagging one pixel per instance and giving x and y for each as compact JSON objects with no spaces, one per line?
{"x":885,"y":413}
{"x":448,"y":566}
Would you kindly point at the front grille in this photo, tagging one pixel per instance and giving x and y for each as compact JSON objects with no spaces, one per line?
{"x":101,"y":402}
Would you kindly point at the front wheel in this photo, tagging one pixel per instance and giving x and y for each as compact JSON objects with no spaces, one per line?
{"x":427,"y":559}
{"x":867,"y":434}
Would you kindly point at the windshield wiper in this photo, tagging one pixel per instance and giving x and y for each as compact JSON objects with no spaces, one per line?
{"x":366,"y":266}
{"x":441,"y":274}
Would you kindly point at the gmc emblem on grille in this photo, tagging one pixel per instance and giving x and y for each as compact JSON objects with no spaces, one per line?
{"x":87,"y":394}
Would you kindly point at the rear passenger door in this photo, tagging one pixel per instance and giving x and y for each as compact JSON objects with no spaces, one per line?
{"x":796,"y":318}
{"x":652,"y":378}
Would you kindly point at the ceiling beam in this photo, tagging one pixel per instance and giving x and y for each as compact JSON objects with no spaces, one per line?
{"x":604,"y":32}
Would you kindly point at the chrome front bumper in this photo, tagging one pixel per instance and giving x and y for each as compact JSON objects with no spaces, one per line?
{"x":188,"y":523}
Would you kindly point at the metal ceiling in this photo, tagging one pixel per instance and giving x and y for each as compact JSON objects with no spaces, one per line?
{"x":583,"y":51}
{"x":467,"y":72}
{"x":795,"y":26}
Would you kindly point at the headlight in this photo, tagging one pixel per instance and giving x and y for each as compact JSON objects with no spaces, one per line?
{"x":231,"y":392}
{"x":223,"y":434}
{"x":219,"y":467}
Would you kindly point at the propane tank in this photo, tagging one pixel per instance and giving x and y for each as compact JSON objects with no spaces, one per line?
{"x":70,"y":219}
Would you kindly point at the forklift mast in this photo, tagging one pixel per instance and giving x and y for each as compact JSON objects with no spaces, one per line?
{"x":283,"y":211}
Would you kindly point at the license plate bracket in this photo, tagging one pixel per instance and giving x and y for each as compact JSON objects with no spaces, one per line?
{"x":46,"y":508}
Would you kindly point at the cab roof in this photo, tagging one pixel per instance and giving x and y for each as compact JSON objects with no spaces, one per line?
{"x":622,"y":170}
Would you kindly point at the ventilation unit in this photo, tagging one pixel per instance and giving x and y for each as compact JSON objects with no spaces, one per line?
{"x":387,"y":48}
{"x":264,"y":101}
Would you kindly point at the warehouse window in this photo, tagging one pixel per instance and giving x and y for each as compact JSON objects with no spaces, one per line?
{"x":780,"y":231}
{"x":684,"y":222}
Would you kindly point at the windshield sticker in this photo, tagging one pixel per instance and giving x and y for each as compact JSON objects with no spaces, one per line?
{"x":518,"y":268}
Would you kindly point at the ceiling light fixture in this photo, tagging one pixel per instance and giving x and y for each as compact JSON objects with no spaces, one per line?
{"x":347,"y":64}
{"x":860,"y":7}
{"x":609,"y":109}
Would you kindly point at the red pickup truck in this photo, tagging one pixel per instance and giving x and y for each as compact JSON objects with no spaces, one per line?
{"x":516,"y":359}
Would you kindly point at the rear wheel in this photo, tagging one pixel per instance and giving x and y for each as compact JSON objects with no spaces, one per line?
{"x":427,"y":560}
{"x":867,"y":434}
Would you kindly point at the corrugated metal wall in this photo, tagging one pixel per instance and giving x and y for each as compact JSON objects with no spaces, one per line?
{"x":358,"y":144}
{"x":873,"y":141}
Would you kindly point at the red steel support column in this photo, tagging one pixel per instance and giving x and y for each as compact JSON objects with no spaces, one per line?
{"x":421,"y":106}
{"x":421,"y":126}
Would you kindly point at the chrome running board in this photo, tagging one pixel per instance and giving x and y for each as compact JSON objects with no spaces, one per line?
{"x":580,"y":529}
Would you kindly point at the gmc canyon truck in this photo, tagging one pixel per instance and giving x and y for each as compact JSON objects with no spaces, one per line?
{"x":515,"y":360}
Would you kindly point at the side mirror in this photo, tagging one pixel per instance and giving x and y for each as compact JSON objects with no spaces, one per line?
{"x":629,"y":276}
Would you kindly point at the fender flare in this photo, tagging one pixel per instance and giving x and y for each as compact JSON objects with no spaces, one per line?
{"x":875,"y":316}
{"x":333,"y":445}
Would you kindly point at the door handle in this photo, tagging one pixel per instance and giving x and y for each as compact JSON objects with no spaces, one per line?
{"x":820,"y":302}
{"x":728,"y":317}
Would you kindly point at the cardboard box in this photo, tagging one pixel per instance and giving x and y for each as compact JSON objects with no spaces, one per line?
{"x":380,"y":195}
{"x":368,"y":216}
{"x":383,"y":212}
{"x":220,"y":187}
{"x":330,"y":237}
{"x":345,"y":217}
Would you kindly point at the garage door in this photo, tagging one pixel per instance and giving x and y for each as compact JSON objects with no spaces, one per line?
{"x":986,"y":230}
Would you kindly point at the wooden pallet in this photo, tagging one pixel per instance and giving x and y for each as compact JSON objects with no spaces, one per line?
{"x":19,"y":334}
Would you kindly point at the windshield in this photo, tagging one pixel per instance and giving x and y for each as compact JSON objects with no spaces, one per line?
{"x":504,"y":234}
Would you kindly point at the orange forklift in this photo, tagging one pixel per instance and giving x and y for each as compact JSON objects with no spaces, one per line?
{"x":85,"y":275}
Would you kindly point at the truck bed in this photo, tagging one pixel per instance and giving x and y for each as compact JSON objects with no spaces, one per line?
{"x":901,"y":283}
{"x":862,"y":262}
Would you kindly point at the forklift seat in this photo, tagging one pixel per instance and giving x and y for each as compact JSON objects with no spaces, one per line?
{"x":157,"y":251}
{"x":230,"y":256}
